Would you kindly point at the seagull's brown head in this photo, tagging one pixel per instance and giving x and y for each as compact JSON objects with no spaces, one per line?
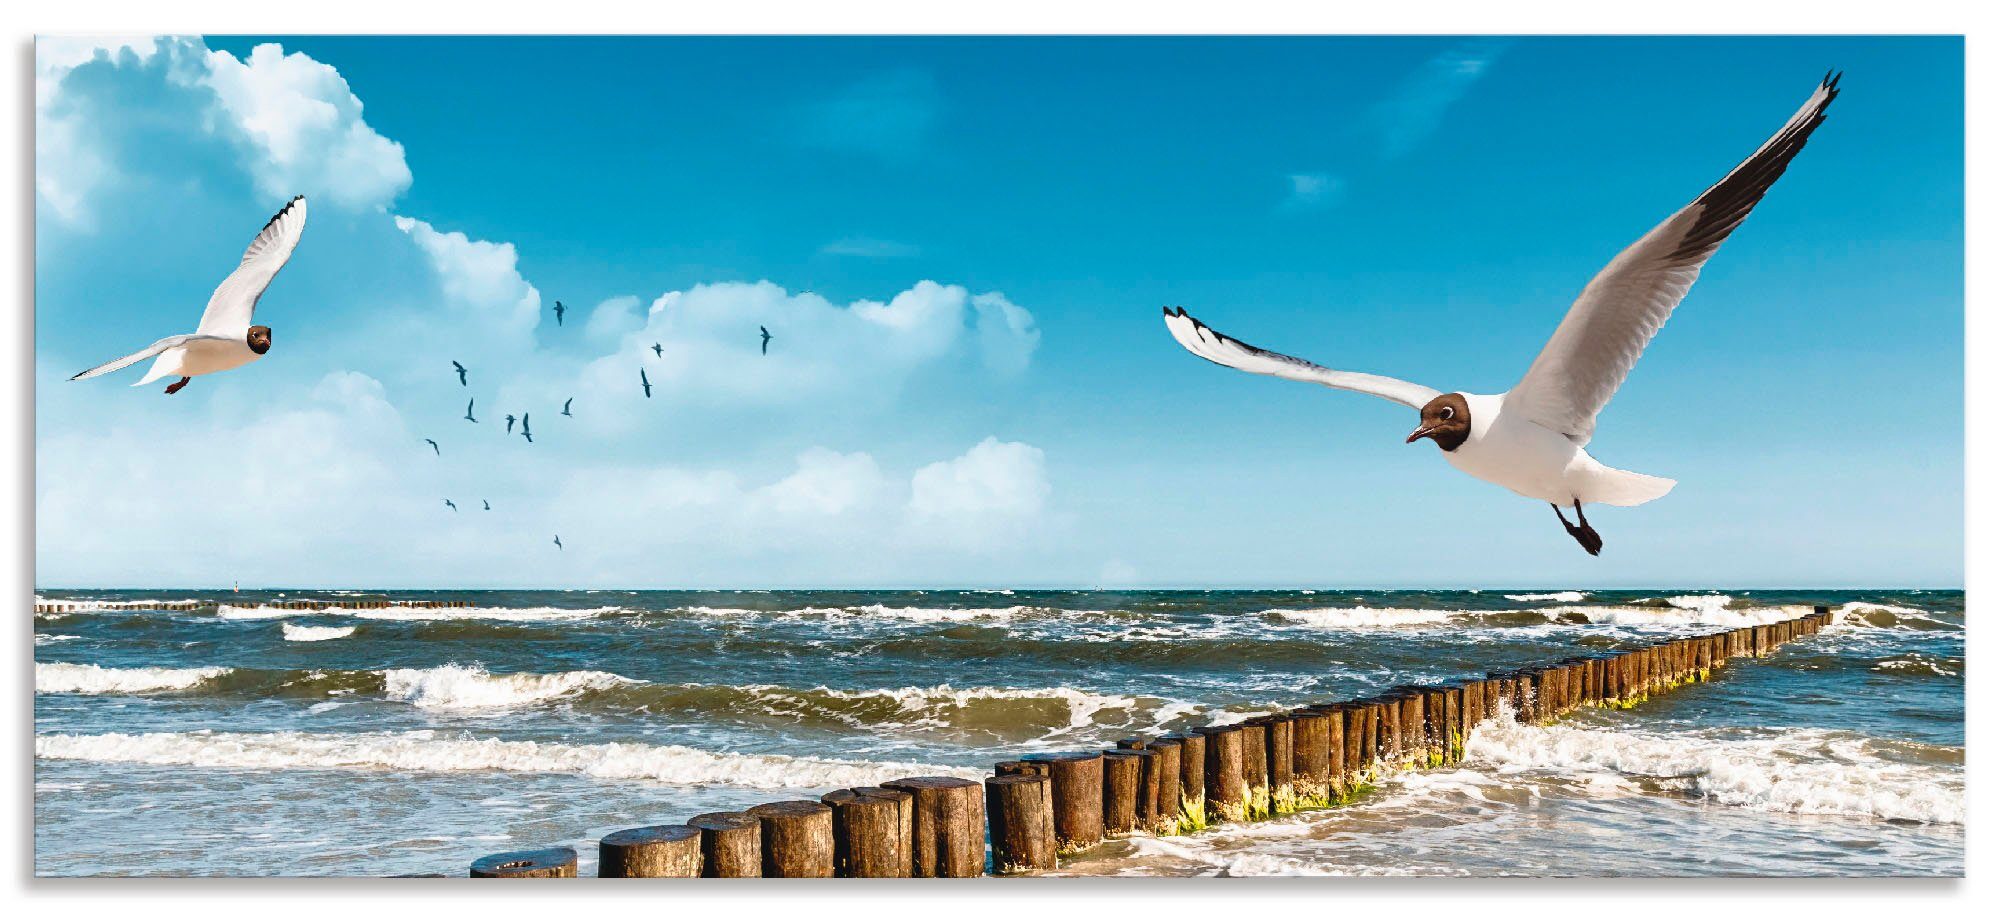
{"x":1447,"y":420}
{"x":259,"y":339}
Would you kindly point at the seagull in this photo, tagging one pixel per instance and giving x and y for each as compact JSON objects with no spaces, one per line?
{"x":434,"y":446}
{"x":484,"y":505}
{"x":566,"y":403}
{"x":657,"y":351}
{"x":453,"y":506}
{"x":559,"y":313}
{"x":524,"y":428}
{"x":559,"y":546}
{"x":461,"y":372}
{"x":225,"y":338}
{"x":1531,"y":439}
{"x":510,"y":424}
{"x":767,"y":340}
{"x":468,"y":412}
{"x":648,"y":384}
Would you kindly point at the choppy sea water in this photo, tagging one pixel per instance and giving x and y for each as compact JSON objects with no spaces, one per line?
{"x":253,"y":740}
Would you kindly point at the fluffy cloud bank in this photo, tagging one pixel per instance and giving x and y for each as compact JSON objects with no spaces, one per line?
{"x":297,"y":125}
{"x":313,"y":467}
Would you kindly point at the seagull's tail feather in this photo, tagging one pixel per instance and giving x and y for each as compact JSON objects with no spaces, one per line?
{"x":1619,"y":488}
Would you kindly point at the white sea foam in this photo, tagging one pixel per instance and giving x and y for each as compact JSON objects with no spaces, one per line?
{"x":912,"y":613}
{"x":1804,"y":771}
{"x":430,"y":752}
{"x":408,"y":613}
{"x":1705,"y":602}
{"x":1704,"y":614}
{"x":310,"y":634}
{"x":42,"y":638}
{"x":66,"y":677}
{"x":1571,"y":596}
{"x":930,"y":707}
{"x":469,"y":687}
{"x":1362,"y":616}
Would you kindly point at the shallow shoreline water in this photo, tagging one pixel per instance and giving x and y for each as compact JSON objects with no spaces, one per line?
{"x":252,"y":739}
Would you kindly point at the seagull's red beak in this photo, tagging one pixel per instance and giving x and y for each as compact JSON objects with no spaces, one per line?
{"x":1422,"y":431}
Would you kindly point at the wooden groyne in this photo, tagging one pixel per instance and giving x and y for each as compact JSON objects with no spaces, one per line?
{"x":197,"y":605}
{"x":1035,"y":809}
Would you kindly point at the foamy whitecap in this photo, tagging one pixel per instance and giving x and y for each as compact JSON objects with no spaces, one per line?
{"x":1707,"y":614}
{"x":469,"y":687}
{"x":1802,"y":772}
{"x":912,"y":613}
{"x":1362,"y":616}
{"x":425,"y":751}
{"x":411,"y":613}
{"x":1567,"y":596}
{"x":67,"y":677}
{"x":300,"y":633}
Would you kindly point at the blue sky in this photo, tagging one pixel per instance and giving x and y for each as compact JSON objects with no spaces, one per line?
{"x":962,"y":246}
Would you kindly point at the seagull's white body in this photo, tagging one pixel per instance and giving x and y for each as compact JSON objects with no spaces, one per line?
{"x":1531,"y":439}
{"x":1528,"y":459}
{"x":221,"y":341}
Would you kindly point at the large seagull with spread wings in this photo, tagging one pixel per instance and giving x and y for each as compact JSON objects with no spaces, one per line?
{"x":1531,"y":439}
{"x":225,"y":338}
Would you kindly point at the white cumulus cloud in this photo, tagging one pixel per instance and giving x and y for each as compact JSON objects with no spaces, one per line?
{"x":307,"y":128}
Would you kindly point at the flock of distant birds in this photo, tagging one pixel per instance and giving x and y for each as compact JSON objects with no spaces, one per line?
{"x":527,"y":433}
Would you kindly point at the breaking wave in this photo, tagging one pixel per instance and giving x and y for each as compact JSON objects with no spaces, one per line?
{"x":1708,"y":602}
{"x":1362,"y":616}
{"x":1801,"y":772}
{"x":67,"y":677}
{"x":469,"y":687}
{"x":425,"y":751}
{"x":310,"y":634}
{"x":1571,"y":596}
{"x":406,"y":613}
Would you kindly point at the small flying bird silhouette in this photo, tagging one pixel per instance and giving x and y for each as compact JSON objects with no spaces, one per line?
{"x":559,"y":313}
{"x":648,"y":384}
{"x":656,"y":351}
{"x":510,"y":424}
{"x":461,"y":372}
{"x":484,"y":504}
{"x":566,"y":403}
{"x":524,"y":428}
{"x":767,"y":340}
{"x":559,"y":546}
{"x":468,"y":412}
{"x":434,"y":446}
{"x":453,"y":506}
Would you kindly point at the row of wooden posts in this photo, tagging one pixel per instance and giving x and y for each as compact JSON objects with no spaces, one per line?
{"x":67,"y":607}
{"x":1033,"y":810}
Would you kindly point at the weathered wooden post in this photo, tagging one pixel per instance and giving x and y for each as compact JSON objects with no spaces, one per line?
{"x":1388,"y":729}
{"x":1279,"y":734}
{"x":1121,"y":792}
{"x":1194,"y":779}
{"x":1436,"y":739}
{"x":870,"y":834}
{"x":732,"y":844}
{"x":1313,"y":753}
{"x":1256,"y":769}
{"x":1076,"y":783}
{"x":534,"y":863}
{"x":1454,"y":725}
{"x":1022,"y":822}
{"x":1167,"y":801}
{"x":798,"y":838}
{"x":652,"y":851}
{"x":948,"y":826}
{"x":1223,"y":782}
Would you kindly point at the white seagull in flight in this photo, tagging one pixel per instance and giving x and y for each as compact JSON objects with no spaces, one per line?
{"x":1530,"y":439}
{"x":224,"y":339}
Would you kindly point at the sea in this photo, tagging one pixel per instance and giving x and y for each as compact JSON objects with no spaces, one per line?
{"x":258,"y":740}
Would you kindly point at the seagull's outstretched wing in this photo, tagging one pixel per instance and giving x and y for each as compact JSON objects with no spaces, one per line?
{"x":147,"y":352}
{"x":1196,"y":337}
{"x":1627,"y":303}
{"x":234,"y":303}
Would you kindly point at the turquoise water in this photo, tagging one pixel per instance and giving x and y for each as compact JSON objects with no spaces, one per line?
{"x":253,"y":740}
